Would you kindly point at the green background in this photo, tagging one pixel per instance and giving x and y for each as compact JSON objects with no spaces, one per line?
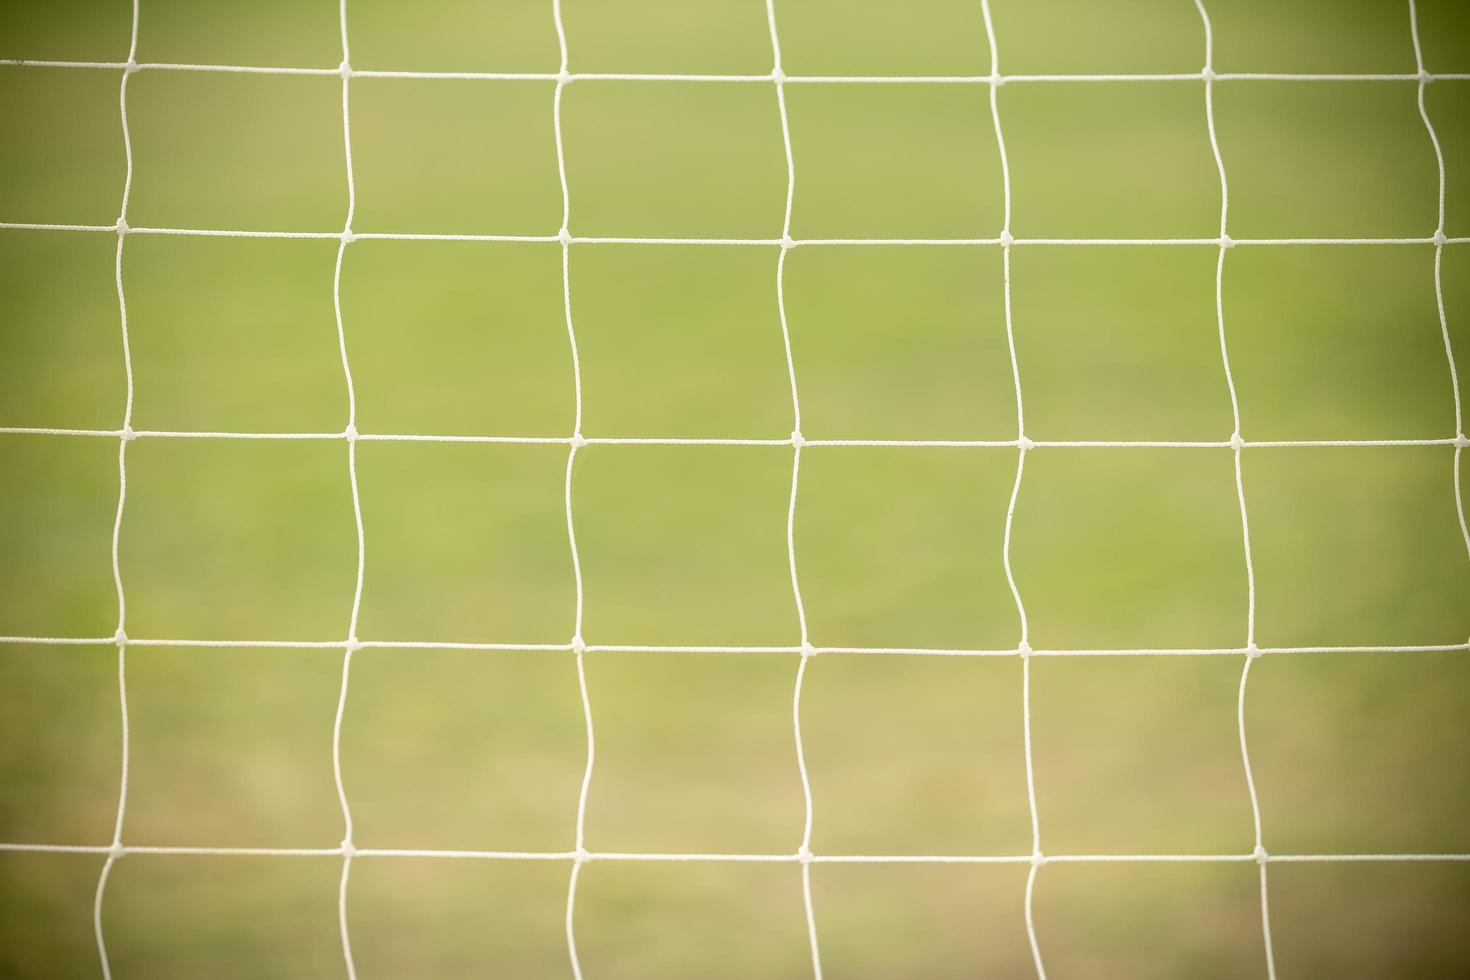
{"x":1112,"y":548}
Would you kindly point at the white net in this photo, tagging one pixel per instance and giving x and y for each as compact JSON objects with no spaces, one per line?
{"x":580,"y":647}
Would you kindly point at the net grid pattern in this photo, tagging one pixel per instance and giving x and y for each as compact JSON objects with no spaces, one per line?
{"x":580,"y":855}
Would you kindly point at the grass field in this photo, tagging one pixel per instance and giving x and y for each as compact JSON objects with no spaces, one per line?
{"x":1112,"y":548}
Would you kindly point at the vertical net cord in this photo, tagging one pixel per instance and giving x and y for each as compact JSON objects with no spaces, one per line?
{"x":1023,"y":444}
{"x":1439,"y":242}
{"x":804,"y":850}
{"x":579,"y":646}
{"x":120,"y":637}
{"x":1237,"y":444}
{"x":352,"y":645}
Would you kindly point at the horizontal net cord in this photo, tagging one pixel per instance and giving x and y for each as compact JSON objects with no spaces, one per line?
{"x":808,"y":650}
{"x":1459,"y":441}
{"x":766,"y":78}
{"x":1436,"y":238}
{"x":583,"y":856}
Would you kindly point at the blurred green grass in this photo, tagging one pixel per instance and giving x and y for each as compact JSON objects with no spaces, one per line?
{"x":908,"y":755}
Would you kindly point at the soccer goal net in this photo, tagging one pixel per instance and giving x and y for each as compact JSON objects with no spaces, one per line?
{"x":1063,"y":482}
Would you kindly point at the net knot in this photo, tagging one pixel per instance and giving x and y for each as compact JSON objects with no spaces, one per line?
{"x":120,"y":637}
{"x":578,"y":440}
{"x":581,"y":855}
{"x":1462,"y":441}
{"x":1260,"y":854}
{"x":563,"y":77}
{"x":350,"y":433}
{"x":797,"y":439}
{"x":997,"y":79}
{"x":804,"y":854}
{"x":1006,"y":238}
{"x":344,"y":69}
{"x":1207,"y":73}
{"x":1252,"y":651}
{"x":579,"y":645}
{"x":1037,"y":859}
{"x":130,"y":67}
{"x":122,"y":226}
{"x":1025,"y":444}
{"x":347,"y":236}
{"x":1024,"y":649}
{"x":777,"y":75}
{"x":117,"y":850}
{"x":564,"y":235}
{"x":127,"y":433}
{"x":1236,"y":442}
{"x":348,"y":849}
{"x":1439,"y":236}
{"x":786,"y":243}
{"x":1226,"y":241}
{"x":808,"y":651}
{"x":1424,"y":77}
{"x":352,"y":645}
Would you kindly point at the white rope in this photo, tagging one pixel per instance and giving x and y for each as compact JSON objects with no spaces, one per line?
{"x":767,"y":242}
{"x":1023,"y":445}
{"x":578,"y":441}
{"x":580,"y":856}
{"x":390,"y":644}
{"x":1424,"y":78}
{"x":991,"y":79}
{"x":347,"y":237}
{"x":635,"y":857}
{"x":797,"y":442}
{"x":124,"y":436}
{"x":1237,"y":444}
